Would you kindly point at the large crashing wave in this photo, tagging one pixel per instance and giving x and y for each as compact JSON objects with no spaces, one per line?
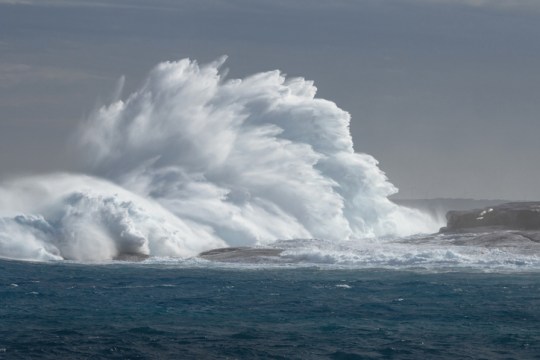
{"x":78,"y":217}
{"x":194,"y":161}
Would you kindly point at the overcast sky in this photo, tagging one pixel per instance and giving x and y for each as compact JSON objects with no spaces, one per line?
{"x":445,"y":94}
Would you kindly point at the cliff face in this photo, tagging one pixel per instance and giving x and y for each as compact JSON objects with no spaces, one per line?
{"x":509,"y":216}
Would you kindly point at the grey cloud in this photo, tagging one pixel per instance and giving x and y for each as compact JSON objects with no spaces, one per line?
{"x":16,"y":74}
{"x":494,"y":4}
{"x":79,"y":3}
{"x":124,"y":4}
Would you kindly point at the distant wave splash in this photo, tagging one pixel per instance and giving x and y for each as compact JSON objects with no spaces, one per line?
{"x":193,"y":161}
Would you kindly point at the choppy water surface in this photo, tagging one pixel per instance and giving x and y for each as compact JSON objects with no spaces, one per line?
{"x":63,"y":310}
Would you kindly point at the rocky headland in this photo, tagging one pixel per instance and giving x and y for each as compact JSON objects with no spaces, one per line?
{"x":508,"y":224}
{"x":509,"y":216}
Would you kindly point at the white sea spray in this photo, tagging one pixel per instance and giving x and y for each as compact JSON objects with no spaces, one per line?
{"x":192,"y":161}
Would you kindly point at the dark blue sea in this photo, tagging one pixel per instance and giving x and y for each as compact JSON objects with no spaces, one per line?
{"x":140,"y":311}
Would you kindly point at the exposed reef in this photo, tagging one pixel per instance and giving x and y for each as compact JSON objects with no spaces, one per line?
{"x":242,"y":254}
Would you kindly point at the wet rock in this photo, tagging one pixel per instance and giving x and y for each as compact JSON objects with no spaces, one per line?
{"x":243,"y":254}
{"x":131,"y":257}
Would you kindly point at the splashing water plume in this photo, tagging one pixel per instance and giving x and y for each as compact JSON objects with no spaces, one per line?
{"x":194,"y":161}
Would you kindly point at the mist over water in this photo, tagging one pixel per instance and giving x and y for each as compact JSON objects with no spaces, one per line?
{"x":192,"y":161}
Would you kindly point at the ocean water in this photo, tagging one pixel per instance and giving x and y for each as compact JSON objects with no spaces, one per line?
{"x":169,"y":311}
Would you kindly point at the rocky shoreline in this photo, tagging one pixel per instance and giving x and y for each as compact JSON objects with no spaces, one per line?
{"x":509,"y":224}
{"x":514,"y":226}
{"x":244,"y":254}
{"x":508,"y":216}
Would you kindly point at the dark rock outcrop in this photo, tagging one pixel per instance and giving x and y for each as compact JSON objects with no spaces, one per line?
{"x":132,"y":257}
{"x":240,"y":254}
{"x":509,"y":216}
